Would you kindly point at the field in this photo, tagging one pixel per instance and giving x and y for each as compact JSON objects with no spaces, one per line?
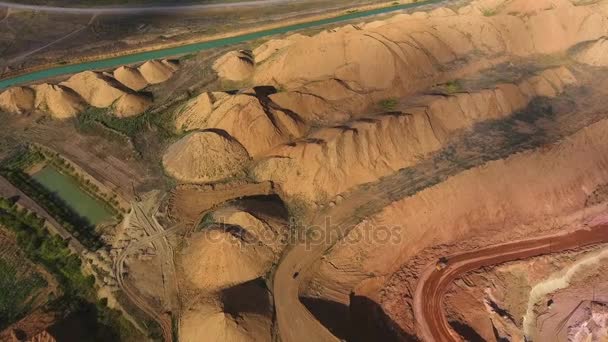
{"x":22,"y":286}
{"x":45,"y":33}
{"x":78,"y":290}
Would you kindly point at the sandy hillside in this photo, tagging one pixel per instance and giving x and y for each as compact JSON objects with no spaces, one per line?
{"x":266,"y":230}
{"x":131,"y":105}
{"x":228,"y":254}
{"x":17,"y":100}
{"x":96,"y":89}
{"x":219,"y":323}
{"x":130,"y":77}
{"x":365,"y":67}
{"x":235,"y":65}
{"x":115,"y":90}
{"x":248,"y":119}
{"x":57,"y":100}
{"x":469,"y":207}
{"x":404,"y":55}
{"x":333,"y":160}
{"x":155,"y":72}
{"x":595,"y":53}
{"x":204,"y":157}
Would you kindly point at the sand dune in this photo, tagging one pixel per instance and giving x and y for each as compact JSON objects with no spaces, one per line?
{"x":116,"y":90}
{"x":596,"y":53}
{"x":332,"y":160}
{"x":17,"y":100}
{"x":130,"y":77}
{"x":217,"y":259}
{"x":246,"y":117}
{"x":217,"y":324}
{"x":204,"y":157}
{"x":235,"y":65}
{"x":59,"y":101}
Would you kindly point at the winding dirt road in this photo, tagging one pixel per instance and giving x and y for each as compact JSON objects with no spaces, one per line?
{"x":139,"y":10}
{"x":433,"y":284}
{"x":144,"y":217}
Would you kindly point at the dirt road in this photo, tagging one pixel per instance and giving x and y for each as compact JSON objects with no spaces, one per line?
{"x":139,"y":9}
{"x":144,"y":217}
{"x":294,"y":320}
{"x":493,"y":141}
{"x":433,"y":283}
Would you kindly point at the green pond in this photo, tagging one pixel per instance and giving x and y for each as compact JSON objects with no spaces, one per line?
{"x":66,"y":188}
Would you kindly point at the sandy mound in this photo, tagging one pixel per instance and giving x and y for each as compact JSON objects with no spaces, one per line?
{"x":196,"y":112}
{"x":218,"y":258}
{"x":94,"y":88}
{"x":311,"y":108}
{"x":412,"y":52}
{"x":255,"y":126}
{"x":212,"y":323}
{"x":595,"y":54}
{"x":266,"y":50}
{"x":58,"y":101}
{"x":332,"y":160}
{"x":235,"y":65}
{"x":470,"y":207}
{"x":268,"y":232}
{"x":130,"y":77}
{"x":204,"y":157}
{"x":155,"y":72}
{"x":17,"y":100}
{"x":532,"y":7}
{"x":130,"y":105}
{"x":171,"y":64}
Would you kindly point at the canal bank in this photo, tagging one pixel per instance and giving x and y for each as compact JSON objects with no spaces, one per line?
{"x":139,"y":57}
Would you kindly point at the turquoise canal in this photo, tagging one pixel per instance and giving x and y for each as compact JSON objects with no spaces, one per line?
{"x":192,"y":48}
{"x":66,"y":188}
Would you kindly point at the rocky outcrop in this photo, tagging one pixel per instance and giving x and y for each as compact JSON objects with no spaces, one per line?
{"x":204,"y":157}
{"x":332,"y":160}
{"x":235,"y":65}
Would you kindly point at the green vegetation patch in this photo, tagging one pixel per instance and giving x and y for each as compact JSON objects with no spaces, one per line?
{"x":79,"y":293}
{"x":388,"y":104}
{"x":18,"y":292}
{"x":148,"y":133}
{"x":73,"y":200}
{"x":55,"y":206}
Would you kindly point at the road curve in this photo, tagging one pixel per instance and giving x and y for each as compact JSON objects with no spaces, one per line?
{"x":157,"y":238}
{"x":295,"y":322}
{"x":433,"y":284}
{"x":139,"y":10}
